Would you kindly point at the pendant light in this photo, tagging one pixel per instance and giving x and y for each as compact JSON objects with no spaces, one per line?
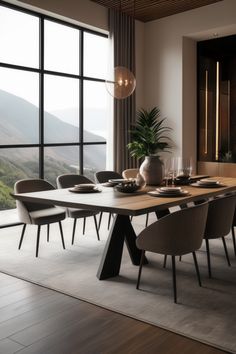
{"x":123,"y":82}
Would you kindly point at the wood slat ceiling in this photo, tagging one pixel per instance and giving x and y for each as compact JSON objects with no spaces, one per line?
{"x":149,"y":10}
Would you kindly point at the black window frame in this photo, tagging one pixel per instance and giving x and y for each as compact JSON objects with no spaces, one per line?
{"x":41,"y":71}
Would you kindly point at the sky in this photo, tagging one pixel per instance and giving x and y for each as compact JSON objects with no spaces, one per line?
{"x":19,"y":44}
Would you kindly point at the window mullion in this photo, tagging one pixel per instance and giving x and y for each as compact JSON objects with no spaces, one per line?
{"x":81,"y":105}
{"x":41,"y":98}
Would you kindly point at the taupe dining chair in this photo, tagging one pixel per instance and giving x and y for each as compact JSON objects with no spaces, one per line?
{"x":176,"y":234}
{"x":37,"y":213}
{"x":103,"y":177}
{"x":132,"y":173}
{"x":233,"y":233}
{"x":70,"y":180}
{"x":219,"y":223}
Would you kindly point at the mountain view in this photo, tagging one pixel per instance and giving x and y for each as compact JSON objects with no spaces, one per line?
{"x":19,"y":124}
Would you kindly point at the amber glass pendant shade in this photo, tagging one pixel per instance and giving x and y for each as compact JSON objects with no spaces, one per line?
{"x":123,"y":83}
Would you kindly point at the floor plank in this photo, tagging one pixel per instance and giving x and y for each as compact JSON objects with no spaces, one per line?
{"x":7,"y":346}
{"x":43,"y":321}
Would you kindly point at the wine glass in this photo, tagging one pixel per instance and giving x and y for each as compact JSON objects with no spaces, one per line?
{"x":167,"y":171}
{"x":173,"y":169}
{"x":184,"y":169}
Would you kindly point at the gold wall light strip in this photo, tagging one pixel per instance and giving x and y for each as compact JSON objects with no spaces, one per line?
{"x":217,"y":109}
{"x":228,"y":115}
{"x":206,"y":112}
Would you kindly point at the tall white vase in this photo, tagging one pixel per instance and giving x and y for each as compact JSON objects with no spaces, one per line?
{"x":151,"y":170}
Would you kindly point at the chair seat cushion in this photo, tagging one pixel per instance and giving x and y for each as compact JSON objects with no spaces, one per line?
{"x":47,"y":216}
{"x":80,"y":213}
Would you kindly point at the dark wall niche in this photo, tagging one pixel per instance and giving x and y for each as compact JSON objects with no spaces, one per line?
{"x":217,"y":99}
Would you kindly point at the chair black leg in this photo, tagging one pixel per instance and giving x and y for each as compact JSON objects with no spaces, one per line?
{"x":174,"y":278}
{"x":226,"y":251}
{"x":73,"y":232}
{"x":84,"y":224}
{"x":208,"y":258}
{"x":234,"y":241}
{"x":197,"y":268}
{"x":147,"y":217}
{"x":180,"y":258}
{"x":22,"y":236}
{"x":140,"y":268}
{"x":62,"y":237}
{"x":165,"y":260}
{"x":38,"y":238}
{"x":109,"y":221}
{"x":100,"y":220}
{"x":48,"y":228}
{"x":96,"y":227}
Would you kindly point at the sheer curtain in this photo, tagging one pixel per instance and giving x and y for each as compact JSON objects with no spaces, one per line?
{"x":122,"y":35}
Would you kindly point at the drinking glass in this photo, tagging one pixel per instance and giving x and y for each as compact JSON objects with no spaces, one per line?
{"x":184,"y":168}
{"x":173,"y":169}
{"x":167,"y":171}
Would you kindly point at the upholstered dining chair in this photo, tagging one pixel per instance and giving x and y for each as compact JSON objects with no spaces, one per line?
{"x":233,"y":233}
{"x":70,"y":180}
{"x":178,"y":233}
{"x":132,"y":173}
{"x":219,"y":223}
{"x":37,"y":213}
{"x":103,"y":177}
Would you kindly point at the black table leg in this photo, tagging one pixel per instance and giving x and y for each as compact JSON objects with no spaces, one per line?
{"x":121,"y":231}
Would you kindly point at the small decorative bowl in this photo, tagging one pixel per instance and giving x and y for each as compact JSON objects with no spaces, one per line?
{"x":127,"y":186}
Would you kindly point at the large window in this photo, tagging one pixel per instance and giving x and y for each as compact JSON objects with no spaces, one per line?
{"x":53,"y":104}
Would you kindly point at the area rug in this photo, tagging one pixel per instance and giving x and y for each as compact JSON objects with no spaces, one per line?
{"x":206,"y":314}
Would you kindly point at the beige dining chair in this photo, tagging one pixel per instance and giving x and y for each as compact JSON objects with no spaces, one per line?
{"x":70,"y":180}
{"x":130,"y":173}
{"x":219,"y":223}
{"x":103,"y":177}
{"x":37,"y":213}
{"x":233,"y":232}
{"x":176,"y":234}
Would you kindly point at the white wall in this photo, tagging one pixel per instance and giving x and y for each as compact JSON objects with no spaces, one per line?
{"x":84,"y":12}
{"x":170,"y":62}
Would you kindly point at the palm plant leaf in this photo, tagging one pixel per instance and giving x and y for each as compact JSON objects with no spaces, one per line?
{"x":148,"y":135}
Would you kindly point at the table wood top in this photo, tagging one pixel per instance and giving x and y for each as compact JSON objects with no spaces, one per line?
{"x":110,"y":200}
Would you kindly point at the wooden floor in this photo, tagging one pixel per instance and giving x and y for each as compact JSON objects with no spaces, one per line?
{"x":34,"y":319}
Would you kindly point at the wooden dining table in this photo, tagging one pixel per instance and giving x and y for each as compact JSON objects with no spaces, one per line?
{"x":124,"y":205}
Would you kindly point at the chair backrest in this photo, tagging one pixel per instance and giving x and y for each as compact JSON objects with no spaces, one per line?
{"x":178,"y":233}
{"x":234,"y":219}
{"x":130,"y":173}
{"x":27,"y":186}
{"x":104,"y":176}
{"x":70,"y":179}
{"x":220,"y":216}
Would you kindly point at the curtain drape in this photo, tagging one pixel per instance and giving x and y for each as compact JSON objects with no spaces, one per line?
{"x":122,"y":34}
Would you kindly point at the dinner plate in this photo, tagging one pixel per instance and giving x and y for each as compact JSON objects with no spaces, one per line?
{"x":170,"y":190}
{"x":118,"y":180}
{"x":76,"y":190}
{"x":208,"y":185}
{"x":208,"y":181}
{"x":183,"y":193}
{"x":85,"y":186}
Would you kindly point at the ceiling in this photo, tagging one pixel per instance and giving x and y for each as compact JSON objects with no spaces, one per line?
{"x":149,"y":10}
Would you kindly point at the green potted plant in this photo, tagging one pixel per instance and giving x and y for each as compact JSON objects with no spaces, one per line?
{"x":148,"y":140}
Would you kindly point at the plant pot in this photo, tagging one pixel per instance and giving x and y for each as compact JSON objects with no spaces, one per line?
{"x":151,"y":170}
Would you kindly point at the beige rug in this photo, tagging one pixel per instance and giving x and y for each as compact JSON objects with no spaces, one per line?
{"x":207,"y":314}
